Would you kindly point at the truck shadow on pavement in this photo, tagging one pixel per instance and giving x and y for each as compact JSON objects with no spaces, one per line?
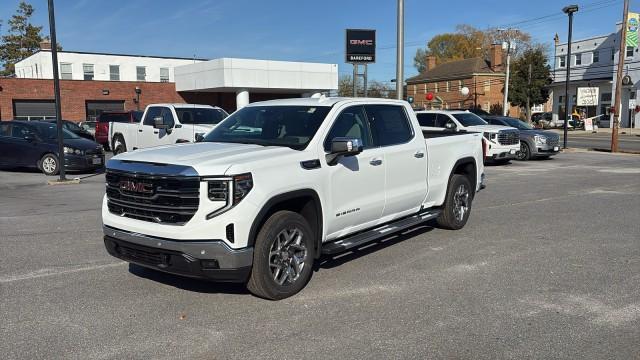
{"x":185,"y":283}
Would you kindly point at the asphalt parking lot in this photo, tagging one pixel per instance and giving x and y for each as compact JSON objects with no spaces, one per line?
{"x":547,"y":267}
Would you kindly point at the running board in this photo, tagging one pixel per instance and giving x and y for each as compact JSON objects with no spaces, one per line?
{"x":362,"y":238}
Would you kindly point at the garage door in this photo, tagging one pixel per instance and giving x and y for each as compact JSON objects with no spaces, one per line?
{"x":34,"y":109}
{"x":95,"y":108}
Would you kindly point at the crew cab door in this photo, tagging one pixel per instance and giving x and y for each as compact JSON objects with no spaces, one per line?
{"x":405,"y":156}
{"x":356,"y":183}
{"x":148,"y":135}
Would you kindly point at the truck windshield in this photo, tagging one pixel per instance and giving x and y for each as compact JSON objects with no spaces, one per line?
{"x":200,"y":115}
{"x":469,"y":119}
{"x":291,"y":126}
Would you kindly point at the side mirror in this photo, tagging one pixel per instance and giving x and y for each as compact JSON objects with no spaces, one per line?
{"x":450,"y":125}
{"x":199,"y":137}
{"x":343,"y":146}
{"x":158,"y":123}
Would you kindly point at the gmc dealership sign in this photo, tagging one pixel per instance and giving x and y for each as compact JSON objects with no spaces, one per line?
{"x":361,"y":46}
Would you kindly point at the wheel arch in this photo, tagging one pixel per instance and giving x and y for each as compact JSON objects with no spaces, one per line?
{"x":306,"y":202}
{"x":467,"y":167}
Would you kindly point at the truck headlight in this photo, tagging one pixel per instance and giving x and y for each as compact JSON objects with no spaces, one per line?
{"x":231,"y":190}
{"x":242,"y":184}
{"x":540,"y":140}
{"x":490,"y":136}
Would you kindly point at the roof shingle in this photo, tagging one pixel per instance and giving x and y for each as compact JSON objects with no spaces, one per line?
{"x":455,"y":70}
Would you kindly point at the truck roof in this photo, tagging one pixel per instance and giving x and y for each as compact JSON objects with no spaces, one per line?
{"x":181,"y":105}
{"x":442,"y":112}
{"x":320,"y":101}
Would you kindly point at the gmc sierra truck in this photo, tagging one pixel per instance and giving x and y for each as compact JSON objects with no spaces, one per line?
{"x":502,"y":142}
{"x":279,"y":183}
{"x":164,"y":124}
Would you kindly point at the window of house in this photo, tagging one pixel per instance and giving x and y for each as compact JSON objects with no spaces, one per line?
{"x":114,"y":72}
{"x":65,"y":71}
{"x":448,"y":85}
{"x":425,"y":88}
{"x":164,"y":74}
{"x":87,"y":71}
{"x":596,"y":56}
{"x":605,"y":97}
{"x":487,"y":106}
{"x":435,"y":87}
{"x":487,"y":85}
{"x":630,"y":51}
{"x":460,"y":84}
{"x":563,"y":61}
{"x":578,"y":59}
{"x":141,"y":73}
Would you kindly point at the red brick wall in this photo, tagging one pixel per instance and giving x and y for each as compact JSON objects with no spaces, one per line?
{"x":75,"y":93}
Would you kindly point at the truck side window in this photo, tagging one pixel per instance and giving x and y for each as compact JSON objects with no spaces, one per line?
{"x":5,"y":129}
{"x":152,"y":113}
{"x":350,"y":123}
{"x":389,"y":124}
{"x":168,"y":117}
{"x":427,"y":119}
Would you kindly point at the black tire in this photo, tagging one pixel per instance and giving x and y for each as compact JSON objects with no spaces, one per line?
{"x":268,"y":261}
{"x":524,"y":153}
{"x":450,"y":218}
{"x":49,"y":164}
{"x":119,"y":146}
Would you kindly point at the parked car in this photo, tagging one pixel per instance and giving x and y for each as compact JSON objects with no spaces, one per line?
{"x":106,"y":118}
{"x":533,"y":142}
{"x":74,"y":128}
{"x":33,"y":144}
{"x":164,"y":124}
{"x":503,"y":142}
{"x":317,"y":176}
{"x":90,"y":126}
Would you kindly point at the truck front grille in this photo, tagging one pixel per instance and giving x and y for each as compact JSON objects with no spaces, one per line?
{"x":506,"y":137}
{"x":160,"y":199}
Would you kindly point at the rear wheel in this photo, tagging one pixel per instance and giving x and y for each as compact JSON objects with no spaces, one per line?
{"x":457,"y":205}
{"x":49,"y":164}
{"x":524,"y":153}
{"x":283,"y":256}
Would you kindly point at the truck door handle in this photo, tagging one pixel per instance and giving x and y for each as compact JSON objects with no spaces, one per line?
{"x":418,"y":154}
{"x":375,"y":162}
{"x":155,"y":132}
{"x":139,"y":130}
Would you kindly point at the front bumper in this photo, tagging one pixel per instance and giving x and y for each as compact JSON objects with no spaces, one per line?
{"x":547,"y":149}
{"x":83,"y":162}
{"x":203,"y":259}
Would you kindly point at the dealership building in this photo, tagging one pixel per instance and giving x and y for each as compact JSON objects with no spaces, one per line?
{"x":95,"y":82}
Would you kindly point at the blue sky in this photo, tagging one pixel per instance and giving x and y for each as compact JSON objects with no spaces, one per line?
{"x":298,"y":30}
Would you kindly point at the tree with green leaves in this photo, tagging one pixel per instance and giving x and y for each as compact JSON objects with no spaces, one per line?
{"x":22,"y":39}
{"x":530,"y":76}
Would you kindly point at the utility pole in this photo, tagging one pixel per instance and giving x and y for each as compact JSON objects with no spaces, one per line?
{"x":400,"y":52}
{"x":354,"y":83}
{"x":529,"y":94}
{"x":618,"y":95}
{"x":569,"y":10}
{"x":56,"y":90}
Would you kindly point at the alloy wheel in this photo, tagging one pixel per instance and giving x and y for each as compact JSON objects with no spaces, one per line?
{"x":49,"y":165}
{"x":461,"y":202}
{"x":287,"y":256}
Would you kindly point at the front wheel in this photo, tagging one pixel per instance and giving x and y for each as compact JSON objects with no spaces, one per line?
{"x":283,"y":256}
{"x":49,"y":165}
{"x":524,"y":153}
{"x":457,"y":204}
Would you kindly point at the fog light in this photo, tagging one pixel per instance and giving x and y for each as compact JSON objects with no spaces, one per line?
{"x":209,"y":264}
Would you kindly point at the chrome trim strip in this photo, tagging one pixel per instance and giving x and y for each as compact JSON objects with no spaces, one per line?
{"x":133,"y":168}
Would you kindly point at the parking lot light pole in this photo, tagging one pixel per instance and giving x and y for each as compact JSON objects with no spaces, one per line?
{"x":569,"y":10}
{"x":400,"y":52}
{"x":56,"y":90}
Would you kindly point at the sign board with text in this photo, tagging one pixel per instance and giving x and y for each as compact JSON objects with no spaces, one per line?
{"x":588,"y":96}
{"x":360,"y":46}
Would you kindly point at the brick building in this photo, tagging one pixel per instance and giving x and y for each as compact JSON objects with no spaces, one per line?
{"x":484,"y":79}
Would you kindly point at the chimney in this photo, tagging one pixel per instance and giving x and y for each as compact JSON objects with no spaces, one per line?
{"x":495,"y":57}
{"x":431,"y":62}
{"x":45,"y":45}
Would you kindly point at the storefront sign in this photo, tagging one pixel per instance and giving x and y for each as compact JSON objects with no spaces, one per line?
{"x":632,"y":29}
{"x":361,"y":46}
{"x":588,"y":96}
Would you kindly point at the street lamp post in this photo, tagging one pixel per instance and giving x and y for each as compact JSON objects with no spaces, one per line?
{"x":400,"y":52}
{"x":569,"y":10}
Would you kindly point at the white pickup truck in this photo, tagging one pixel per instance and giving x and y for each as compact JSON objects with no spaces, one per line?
{"x":503,"y":142}
{"x":278,"y":183}
{"x":164,"y":124}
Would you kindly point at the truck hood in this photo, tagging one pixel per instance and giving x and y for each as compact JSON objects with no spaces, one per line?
{"x":489,"y":128}
{"x":206,"y":158}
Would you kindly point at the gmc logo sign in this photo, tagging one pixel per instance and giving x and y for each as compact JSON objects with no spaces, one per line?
{"x":138,"y":187}
{"x":361,"y":42}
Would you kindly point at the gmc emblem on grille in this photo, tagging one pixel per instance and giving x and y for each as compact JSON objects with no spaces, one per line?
{"x":139,"y":187}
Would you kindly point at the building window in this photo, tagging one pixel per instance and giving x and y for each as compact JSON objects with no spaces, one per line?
{"x":460,"y":105}
{"x":460,"y":84}
{"x":141,"y":73}
{"x":448,"y":85}
{"x":630,"y":51}
{"x":487,"y":85}
{"x":605,"y":97}
{"x":114,"y":72}
{"x":578,"y":59}
{"x":65,"y":71}
{"x":596,"y":56}
{"x":164,"y":75}
{"x":435,"y":87}
{"x":487,"y":106}
{"x":563,"y":61}
{"x":425,"y":88}
{"x":87,"y":70}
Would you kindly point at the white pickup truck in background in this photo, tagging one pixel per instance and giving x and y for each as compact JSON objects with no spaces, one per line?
{"x":502,"y":142}
{"x":164,"y":124}
{"x":278,"y":183}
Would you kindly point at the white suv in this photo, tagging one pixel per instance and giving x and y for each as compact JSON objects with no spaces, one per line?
{"x":503,"y":142}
